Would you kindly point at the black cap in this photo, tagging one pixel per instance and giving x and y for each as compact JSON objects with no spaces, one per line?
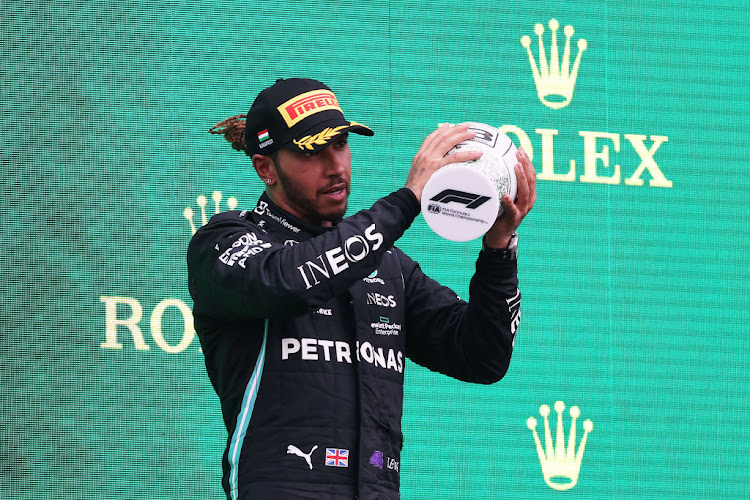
{"x":296,"y":114}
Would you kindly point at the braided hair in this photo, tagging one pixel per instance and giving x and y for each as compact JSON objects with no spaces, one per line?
{"x":233,"y":130}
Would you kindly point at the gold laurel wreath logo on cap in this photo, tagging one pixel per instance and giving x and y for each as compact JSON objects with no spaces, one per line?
{"x":318,"y":139}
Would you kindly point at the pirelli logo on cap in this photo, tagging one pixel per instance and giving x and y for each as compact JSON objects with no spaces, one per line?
{"x":300,"y":107}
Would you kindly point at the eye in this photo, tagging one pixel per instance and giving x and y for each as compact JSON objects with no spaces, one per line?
{"x":342,"y":141}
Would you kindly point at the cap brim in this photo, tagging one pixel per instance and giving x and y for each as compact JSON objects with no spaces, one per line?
{"x":324,"y":134}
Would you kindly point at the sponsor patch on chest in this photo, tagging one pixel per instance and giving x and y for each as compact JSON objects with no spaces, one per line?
{"x":375,"y":298}
{"x":385,"y":327}
{"x":340,"y":351}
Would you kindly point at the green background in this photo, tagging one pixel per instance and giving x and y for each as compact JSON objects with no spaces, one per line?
{"x":636,"y":298}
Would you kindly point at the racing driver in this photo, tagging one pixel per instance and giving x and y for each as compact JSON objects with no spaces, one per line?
{"x":306,"y":317}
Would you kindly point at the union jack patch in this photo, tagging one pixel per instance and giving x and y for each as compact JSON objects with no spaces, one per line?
{"x":337,"y":457}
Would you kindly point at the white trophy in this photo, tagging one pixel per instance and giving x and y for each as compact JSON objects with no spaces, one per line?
{"x":461,"y":201}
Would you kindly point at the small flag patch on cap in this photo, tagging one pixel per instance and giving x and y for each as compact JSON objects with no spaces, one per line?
{"x":263,"y":135}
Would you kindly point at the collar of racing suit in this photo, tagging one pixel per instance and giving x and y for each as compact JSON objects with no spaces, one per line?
{"x":280,"y":218}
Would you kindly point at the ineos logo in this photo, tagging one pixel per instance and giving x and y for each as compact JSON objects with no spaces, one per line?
{"x":471,"y":200}
{"x":381,"y":300}
{"x":333,"y":261}
{"x":352,"y":243}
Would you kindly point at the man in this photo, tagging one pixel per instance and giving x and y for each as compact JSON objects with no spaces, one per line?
{"x":306,"y":317}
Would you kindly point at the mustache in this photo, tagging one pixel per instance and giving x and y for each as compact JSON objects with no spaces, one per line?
{"x":336,"y":184}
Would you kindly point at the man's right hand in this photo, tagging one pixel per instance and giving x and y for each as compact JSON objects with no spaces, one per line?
{"x":431,"y":155}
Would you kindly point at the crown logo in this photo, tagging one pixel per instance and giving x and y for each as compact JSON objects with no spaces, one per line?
{"x":560,"y":467}
{"x":202,"y":201}
{"x":554,"y":81}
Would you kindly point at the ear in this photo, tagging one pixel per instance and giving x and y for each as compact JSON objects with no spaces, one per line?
{"x":264,"y":167}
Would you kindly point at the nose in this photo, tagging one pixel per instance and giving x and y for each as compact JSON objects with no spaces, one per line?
{"x":336,"y":161}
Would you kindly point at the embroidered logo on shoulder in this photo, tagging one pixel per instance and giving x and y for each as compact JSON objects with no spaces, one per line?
{"x":246,"y":245}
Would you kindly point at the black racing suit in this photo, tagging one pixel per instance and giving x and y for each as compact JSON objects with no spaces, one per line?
{"x":305,"y":331}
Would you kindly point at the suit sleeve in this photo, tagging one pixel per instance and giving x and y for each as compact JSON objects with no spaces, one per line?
{"x":236,"y":270}
{"x":470,"y":341}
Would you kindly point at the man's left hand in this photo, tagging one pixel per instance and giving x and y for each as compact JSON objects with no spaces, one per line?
{"x":501,"y":231}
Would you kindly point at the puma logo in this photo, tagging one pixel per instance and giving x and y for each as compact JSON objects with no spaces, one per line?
{"x":291,"y":449}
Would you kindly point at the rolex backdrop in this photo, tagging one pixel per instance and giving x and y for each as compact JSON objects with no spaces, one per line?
{"x":630,"y":372}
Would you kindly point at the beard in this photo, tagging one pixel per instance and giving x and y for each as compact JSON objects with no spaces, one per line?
{"x":306,"y":206}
